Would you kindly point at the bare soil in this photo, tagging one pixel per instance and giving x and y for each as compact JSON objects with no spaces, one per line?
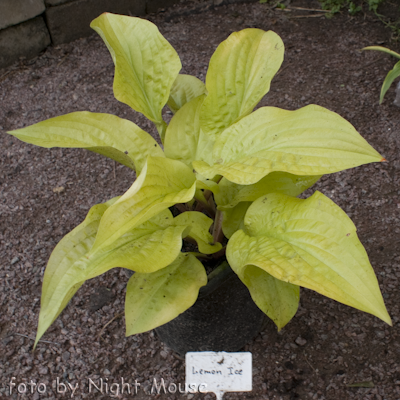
{"x":46,"y":193}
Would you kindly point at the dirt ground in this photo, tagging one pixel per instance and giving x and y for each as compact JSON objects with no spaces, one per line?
{"x":327,"y":346}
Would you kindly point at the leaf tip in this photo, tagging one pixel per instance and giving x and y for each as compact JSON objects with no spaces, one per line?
{"x":383,"y":160}
{"x":35,"y":344}
{"x":385,"y":317}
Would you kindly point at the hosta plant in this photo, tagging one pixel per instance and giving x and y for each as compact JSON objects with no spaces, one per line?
{"x":233,"y":173}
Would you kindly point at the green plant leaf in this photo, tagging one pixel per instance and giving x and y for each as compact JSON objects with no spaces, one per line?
{"x":230,"y":194}
{"x":383,"y":49}
{"x":146,"y":65}
{"x":390,"y":77}
{"x":310,"y":243}
{"x":145,"y":254}
{"x":206,"y":184}
{"x":182,"y":135}
{"x":184,"y":89}
{"x":200,"y":225}
{"x":105,"y":134}
{"x":157,"y":298}
{"x":233,"y":218}
{"x":234,"y":200}
{"x":308,"y":141}
{"x":239,"y":75}
{"x":161,"y":184}
{"x":69,"y":250}
{"x":204,"y":148}
{"x":184,"y":140}
{"x":277,"y":299}
{"x":148,"y":248}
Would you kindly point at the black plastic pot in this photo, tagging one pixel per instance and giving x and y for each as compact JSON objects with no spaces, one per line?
{"x":224,"y":318}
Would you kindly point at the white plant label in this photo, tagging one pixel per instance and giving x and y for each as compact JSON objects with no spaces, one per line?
{"x":220,"y":372}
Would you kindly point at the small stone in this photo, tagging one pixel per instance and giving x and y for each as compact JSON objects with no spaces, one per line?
{"x":300,"y":341}
{"x":106,"y":372}
{"x":163,"y":354}
{"x":66,"y":355}
{"x":59,"y":189}
{"x":14,"y":260}
{"x":100,"y":298}
{"x":120,"y":360}
{"x":43,"y":370}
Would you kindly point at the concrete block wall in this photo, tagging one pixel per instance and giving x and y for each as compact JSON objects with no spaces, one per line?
{"x":23,"y":31}
{"x":27,"y":27}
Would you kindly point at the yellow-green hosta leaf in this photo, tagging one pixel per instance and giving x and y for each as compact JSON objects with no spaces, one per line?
{"x":205,"y":147}
{"x":234,"y":200}
{"x":206,"y":184}
{"x":69,"y":250}
{"x":308,"y":141}
{"x":148,"y":248}
{"x":161,"y":129}
{"x":106,"y":134}
{"x":310,"y":243}
{"x":146,"y":65}
{"x":145,"y":254}
{"x":199,"y":230}
{"x":184,"y":89}
{"x":184,"y":140}
{"x":157,"y":298}
{"x":162,"y":220}
{"x":239,"y":75}
{"x":277,"y":299}
{"x":199,"y":195}
{"x":182,"y":135}
{"x":230,"y":194}
{"x":232,"y":218}
{"x":161,"y":184}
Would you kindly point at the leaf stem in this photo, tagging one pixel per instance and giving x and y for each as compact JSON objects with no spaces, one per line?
{"x":207,"y":194}
{"x":217,"y":229}
{"x":205,"y":206}
{"x":217,"y":178}
{"x":161,"y":128}
{"x":182,"y":207}
{"x":219,"y":254}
